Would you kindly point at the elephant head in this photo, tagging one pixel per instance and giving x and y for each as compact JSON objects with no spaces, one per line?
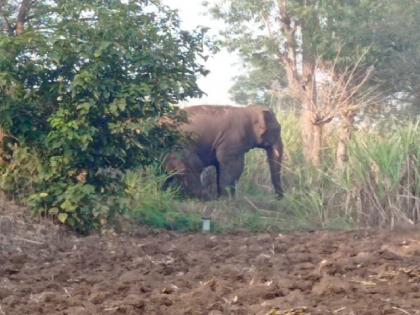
{"x":268,"y":137}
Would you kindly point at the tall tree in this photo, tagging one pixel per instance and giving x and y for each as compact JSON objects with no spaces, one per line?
{"x":317,"y":42}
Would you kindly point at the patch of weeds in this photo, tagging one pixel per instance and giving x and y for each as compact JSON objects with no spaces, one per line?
{"x":145,"y":202}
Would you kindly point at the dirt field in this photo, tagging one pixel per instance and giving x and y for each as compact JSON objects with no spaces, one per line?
{"x":46,"y":270}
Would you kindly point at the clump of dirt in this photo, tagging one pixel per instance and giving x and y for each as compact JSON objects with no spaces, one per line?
{"x":45,"y":269}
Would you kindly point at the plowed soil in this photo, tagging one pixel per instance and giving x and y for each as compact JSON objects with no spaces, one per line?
{"x":46,"y":270}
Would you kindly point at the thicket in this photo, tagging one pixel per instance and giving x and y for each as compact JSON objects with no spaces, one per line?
{"x":83,"y":85}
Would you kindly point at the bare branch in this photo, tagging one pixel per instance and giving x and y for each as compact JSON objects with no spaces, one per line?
{"x":22,"y":14}
{"x":345,"y":93}
{"x":268,"y":25}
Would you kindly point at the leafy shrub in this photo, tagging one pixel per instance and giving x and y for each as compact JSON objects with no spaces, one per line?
{"x":146,"y":202}
{"x":83,"y":89}
{"x":20,"y":176}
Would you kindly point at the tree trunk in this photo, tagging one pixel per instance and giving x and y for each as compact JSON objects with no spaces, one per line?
{"x":21,"y":18}
{"x":302,"y":84}
{"x":307,"y":133}
{"x":304,"y":88}
{"x":345,"y":133}
{"x":316,"y":156}
{"x":312,"y":133}
{"x":342,"y":154}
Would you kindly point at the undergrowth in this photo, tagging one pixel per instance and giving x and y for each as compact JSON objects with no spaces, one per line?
{"x":145,"y":202}
{"x":380,"y":187}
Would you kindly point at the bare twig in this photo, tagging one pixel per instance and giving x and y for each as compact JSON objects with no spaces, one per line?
{"x":339,"y":310}
{"x":401,"y":310}
{"x":28,"y":241}
{"x":251,"y":203}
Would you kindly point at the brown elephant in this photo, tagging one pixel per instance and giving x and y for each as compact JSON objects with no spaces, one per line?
{"x":221,"y":135}
{"x":185,"y":170}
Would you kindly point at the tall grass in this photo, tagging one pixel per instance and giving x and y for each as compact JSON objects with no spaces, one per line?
{"x":382,"y":181}
{"x":380,"y":186}
{"x":145,"y":202}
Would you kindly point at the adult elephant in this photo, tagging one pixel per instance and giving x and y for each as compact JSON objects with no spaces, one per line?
{"x":220,"y":137}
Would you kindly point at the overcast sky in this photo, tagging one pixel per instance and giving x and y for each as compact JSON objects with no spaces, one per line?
{"x":222,"y":66}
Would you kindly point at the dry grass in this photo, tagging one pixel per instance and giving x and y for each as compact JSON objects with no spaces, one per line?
{"x":379,"y":187}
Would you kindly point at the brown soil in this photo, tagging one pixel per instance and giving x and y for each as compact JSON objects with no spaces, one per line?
{"x":45,"y":270}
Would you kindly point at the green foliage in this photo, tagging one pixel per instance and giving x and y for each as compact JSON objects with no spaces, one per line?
{"x":145,"y":202}
{"x":382,"y":180}
{"x":20,"y":175}
{"x":261,"y":84}
{"x":385,"y":32}
{"x":396,"y":50}
{"x":84,"y":88}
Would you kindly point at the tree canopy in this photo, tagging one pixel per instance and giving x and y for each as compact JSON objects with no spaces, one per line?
{"x":383,"y":31}
{"x":336,"y":55}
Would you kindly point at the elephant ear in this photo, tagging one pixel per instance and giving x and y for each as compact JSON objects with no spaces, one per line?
{"x":266,"y":125}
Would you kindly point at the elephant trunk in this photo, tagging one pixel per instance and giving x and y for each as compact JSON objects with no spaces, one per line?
{"x":274,"y":157}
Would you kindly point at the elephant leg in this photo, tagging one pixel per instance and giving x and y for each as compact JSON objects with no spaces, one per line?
{"x":192,"y":176}
{"x":229,"y":170}
{"x":209,"y":183}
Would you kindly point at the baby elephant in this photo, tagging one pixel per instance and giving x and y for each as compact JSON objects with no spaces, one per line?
{"x":183,"y":171}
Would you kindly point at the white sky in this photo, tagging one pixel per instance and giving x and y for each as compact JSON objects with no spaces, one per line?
{"x":223,"y":66}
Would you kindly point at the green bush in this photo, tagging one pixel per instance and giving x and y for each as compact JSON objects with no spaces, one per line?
{"x":83,"y":89}
{"x":146,"y":202}
{"x":20,"y":176}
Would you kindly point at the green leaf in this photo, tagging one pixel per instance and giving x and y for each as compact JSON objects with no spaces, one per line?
{"x":84,"y":107}
{"x":62,"y":217}
{"x":102,"y":48}
{"x":68,"y":206}
{"x":53,"y":211}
